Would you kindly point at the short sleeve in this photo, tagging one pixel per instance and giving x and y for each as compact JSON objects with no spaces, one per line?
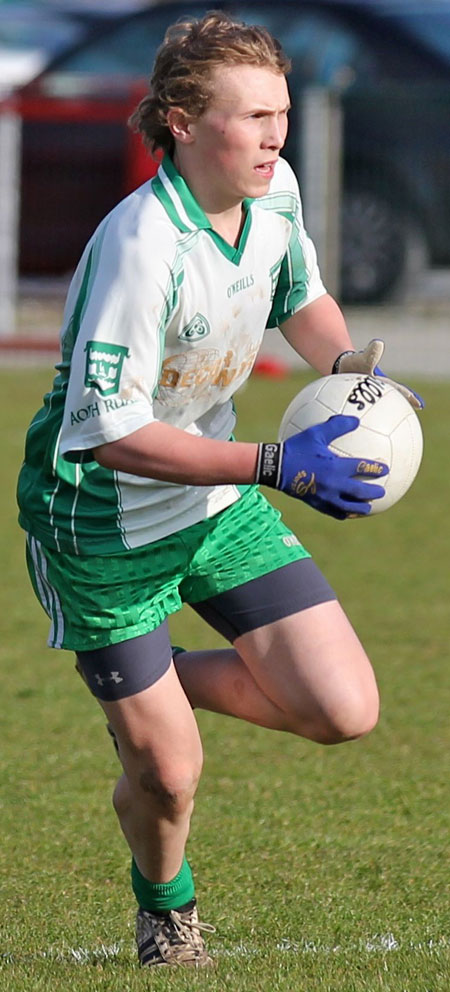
{"x":116,"y":319}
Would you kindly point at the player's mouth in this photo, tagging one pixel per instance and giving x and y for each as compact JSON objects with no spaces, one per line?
{"x":266,"y":169}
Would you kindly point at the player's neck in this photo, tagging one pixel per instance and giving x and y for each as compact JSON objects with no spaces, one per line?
{"x":226,"y":215}
{"x":228,"y":223}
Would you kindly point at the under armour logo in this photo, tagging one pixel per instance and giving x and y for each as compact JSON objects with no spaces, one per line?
{"x":112,"y":677}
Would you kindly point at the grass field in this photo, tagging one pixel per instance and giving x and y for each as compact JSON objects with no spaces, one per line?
{"x":323,"y":869}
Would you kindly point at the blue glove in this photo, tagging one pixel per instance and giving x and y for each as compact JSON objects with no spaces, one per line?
{"x":304,"y":467}
{"x":366,"y":362}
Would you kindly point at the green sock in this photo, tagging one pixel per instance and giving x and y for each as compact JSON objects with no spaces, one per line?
{"x":163,"y":896}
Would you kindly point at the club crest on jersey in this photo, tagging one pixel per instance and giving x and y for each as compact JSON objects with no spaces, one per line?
{"x":104,"y":364}
{"x":197,"y":328}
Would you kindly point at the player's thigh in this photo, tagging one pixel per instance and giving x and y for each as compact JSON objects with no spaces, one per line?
{"x":313,"y":665}
{"x":300,"y":648}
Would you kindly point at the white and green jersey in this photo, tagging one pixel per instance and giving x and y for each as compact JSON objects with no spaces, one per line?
{"x":163,"y":321}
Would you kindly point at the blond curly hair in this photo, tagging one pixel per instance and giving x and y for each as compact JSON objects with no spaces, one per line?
{"x":182,"y":73}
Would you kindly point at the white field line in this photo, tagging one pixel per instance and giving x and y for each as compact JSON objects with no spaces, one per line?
{"x":378,"y":944}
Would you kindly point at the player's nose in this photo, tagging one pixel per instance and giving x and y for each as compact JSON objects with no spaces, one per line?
{"x":276,"y":133}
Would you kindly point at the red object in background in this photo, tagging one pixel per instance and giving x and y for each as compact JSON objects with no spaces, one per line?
{"x":271,"y":367}
{"x":79,"y":159}
{"x":139,"y":163}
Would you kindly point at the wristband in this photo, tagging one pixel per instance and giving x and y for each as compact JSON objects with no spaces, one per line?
{"x":268,"y":466}
{"x":336,"y":364}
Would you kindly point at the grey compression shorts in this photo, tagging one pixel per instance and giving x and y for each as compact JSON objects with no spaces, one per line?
{"x":124,"y":669}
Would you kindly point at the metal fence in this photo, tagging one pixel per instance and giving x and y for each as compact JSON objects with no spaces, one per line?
{"x":374,"y":167}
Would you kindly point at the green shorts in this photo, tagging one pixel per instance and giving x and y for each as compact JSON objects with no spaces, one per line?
{"x":95,"y":601}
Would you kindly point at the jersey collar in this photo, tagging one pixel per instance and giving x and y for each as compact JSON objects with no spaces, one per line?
{"x":177,"y":199}
{"x":187,"y":215}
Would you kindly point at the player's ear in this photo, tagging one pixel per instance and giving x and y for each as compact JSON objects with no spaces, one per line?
{"x":180,"y":125}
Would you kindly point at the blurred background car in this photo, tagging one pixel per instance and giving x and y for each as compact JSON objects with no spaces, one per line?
{"x":33,"y":33}
{"x":29,"y":37}
{"x":388,"y":63}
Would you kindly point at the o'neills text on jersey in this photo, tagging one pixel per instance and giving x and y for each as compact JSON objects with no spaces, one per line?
{"x":239,"y":285}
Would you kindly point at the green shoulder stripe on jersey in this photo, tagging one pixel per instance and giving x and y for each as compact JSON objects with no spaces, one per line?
{"x":290,"y":291}
{"x":171,"y":299}
{"x":184,"y":246}
{"x":284,"y":203}
{"x":71,"y":332}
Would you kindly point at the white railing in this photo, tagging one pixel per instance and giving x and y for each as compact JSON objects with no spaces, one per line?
{"x":10,"y":169}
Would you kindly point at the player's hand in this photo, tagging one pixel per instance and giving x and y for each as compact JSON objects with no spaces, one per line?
{"x":366,"y":362}
{"x":304,"y":467}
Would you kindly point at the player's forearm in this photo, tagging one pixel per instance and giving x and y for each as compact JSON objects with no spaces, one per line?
{"x":160,"y":451}
{"x":318,"y":333}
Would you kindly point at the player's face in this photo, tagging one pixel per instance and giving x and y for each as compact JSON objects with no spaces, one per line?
{"x":240,"y":135}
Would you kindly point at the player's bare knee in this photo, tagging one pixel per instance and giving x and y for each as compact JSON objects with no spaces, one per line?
{"x":352,"y":722}
{"x":171,"y":790}
{"x":166,"y":787}
{"x":345,"y":722}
